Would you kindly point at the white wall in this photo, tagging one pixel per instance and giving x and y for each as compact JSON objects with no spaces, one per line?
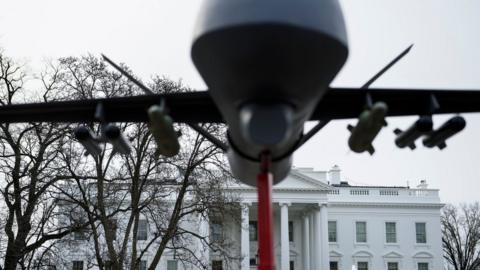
{"x":405,"y":248}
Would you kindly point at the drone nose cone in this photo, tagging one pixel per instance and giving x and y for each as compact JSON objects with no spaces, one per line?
{"x":255,"y":51}
{"x":268,"y":53}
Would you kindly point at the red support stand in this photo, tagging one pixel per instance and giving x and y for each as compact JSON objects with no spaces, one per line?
{"x":265,"y":216}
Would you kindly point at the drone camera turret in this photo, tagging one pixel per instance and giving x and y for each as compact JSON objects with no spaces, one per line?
{"x":85,"y":136}
{"x":266,"y":124}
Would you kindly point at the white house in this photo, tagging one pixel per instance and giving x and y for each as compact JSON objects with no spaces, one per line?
{"x":322,"y":222}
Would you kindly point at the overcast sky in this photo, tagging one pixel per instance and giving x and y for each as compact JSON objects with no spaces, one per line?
{"x":154,"y":37}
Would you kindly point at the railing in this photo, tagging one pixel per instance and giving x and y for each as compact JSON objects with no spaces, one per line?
{"x":382,"y":194}
{"x":387,"y":192}
{"x":361,"y":192}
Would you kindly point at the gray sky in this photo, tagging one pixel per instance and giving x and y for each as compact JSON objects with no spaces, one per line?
{"x":153,"y":36}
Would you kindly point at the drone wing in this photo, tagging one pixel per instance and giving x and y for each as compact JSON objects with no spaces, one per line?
{"x":190,"y":107}
{"x":344,"y":103}
{"x":371,"y":106}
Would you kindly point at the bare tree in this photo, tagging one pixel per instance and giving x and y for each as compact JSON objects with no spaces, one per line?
{"x":461,"y":236}
{"x":29,"y":168}
{"x":165,"y":192}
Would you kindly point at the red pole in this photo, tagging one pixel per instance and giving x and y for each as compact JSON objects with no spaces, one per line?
{"x":265,"y":216}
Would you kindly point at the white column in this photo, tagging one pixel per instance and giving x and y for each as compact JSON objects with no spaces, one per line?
{"x":204,"y":230}
{"x":312,"y":241}
{"x":245,"y":238}
{"x":284,"y":241}
{"x":324,"y":230}
{"x":318,"y":240}
{"x":306,"y":242}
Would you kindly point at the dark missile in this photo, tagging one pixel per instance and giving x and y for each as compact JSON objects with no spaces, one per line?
{"x":448,"y":129}
{"x":88,"y":140}
{"x":421,"y":127}
{"x":120,"y":143}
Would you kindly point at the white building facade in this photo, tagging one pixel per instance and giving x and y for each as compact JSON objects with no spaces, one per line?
{"x":322,"y":222}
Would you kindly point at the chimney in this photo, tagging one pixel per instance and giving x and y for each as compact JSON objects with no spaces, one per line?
{"x":334,"y":175}
{"x":423,"y":184}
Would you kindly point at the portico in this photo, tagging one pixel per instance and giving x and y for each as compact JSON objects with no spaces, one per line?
{"x":301,"y":225}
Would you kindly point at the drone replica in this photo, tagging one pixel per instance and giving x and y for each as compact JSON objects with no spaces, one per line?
{"x":268,"y":66}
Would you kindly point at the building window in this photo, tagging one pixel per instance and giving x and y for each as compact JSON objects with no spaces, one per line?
{"x":362,"y":265}
{"x":422,"y":266}
{"x":391,"y":232}
{"x":332,"y":231}
{"x":142,"y":229}
{"x":333,"y":265}
{"x":142,"y":265}
{"x":392,"y":266}
{"x":172,"y":265}
{"x":290,"y":231}
{"x":253,"y":261}
{"x":217,"y":231}
{"x":81,"y":234}
{"x":421,"y":231}
{"x":108,"y":265}
{"x":361,"y":231}
{"x":217,"y":265}
{"x":77,"y":265}
{"x":252,"y":230}
{"x":292,"y":265}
